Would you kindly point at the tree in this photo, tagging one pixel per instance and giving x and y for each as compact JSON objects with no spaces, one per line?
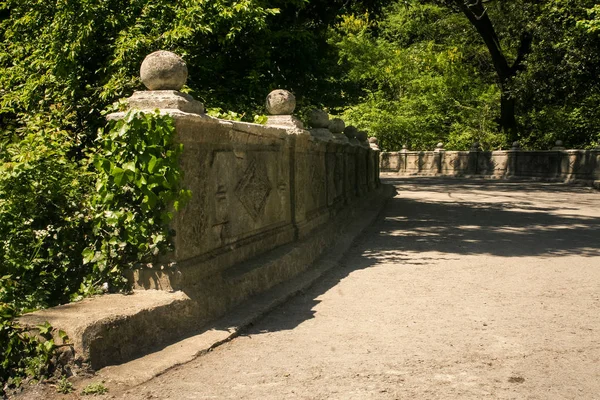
{"x":477,"y":13}
{"x":425,"y":79}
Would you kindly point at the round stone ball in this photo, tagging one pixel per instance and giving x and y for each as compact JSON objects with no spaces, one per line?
{"x":516,"y":145}
{"x":318,"y":119}
{"x":350,"y":131}
{"x":440,"y":145}
{"x":281,"y":102}
{"x":163,"y":70}
{"x":361,"y":136}
{"x":337,"y":125}
{"x":559,"y":143}
{"x":373,"y":139}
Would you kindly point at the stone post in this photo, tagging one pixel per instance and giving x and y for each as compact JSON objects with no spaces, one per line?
{"x":403,"y":159}
{"x":319,"y":122}
{"x":373,"y":143}
{"x":280,"y":105}
{"x":350,"y":131}
{"x":164,"y":74}
{"x":473,"y":160}
{"x":336,"y":127}
{"x":558,"y":146}
{"x":439,"y":156}
{"x":362,"y":138}
{"x":513,"y":155}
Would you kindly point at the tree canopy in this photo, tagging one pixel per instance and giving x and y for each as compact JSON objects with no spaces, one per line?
{"x":469,"y":70}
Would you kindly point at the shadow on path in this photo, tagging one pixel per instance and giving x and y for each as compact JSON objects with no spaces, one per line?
{"x":416,"y":230}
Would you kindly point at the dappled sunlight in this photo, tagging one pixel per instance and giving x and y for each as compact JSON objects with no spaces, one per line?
{"x":427,"y":220}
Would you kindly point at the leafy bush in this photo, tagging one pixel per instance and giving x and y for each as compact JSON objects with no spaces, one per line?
{"x":23,"y":355}
{"x":69,"y":227}
{"x":43,"y":195}
{"x":420,"y":81}
{"x":96,"y":388}
{"x":137,"y":188}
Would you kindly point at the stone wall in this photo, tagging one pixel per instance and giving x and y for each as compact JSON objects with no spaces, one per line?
{"x":555,"y":164}
{"x":258,"y":191}
{"x":267,"y":202}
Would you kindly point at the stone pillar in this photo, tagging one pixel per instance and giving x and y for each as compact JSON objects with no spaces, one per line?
{"x":438,"y":154}
{"x":513,"y":155}
{"x":473,"y":161}
{"x":350,"y":131}
{"x":374,"y":162}
{"x":362,"y":138}
{"x":164,"y":74}
{"x":319,"y":122}
{"x":280,"y":105}
{"x":403,"y":159}
{"x":336,"y":127}
{"x":558,"y":146}
{"x":351,"y":187}
{"x":339,"y":144}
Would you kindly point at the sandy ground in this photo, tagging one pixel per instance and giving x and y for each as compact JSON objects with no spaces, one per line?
{"x":461,"y":290}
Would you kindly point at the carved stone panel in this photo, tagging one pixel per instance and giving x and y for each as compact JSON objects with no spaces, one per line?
{"x":253,"y":189}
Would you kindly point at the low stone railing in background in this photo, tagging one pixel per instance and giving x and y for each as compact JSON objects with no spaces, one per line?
{"x":555,"y":164}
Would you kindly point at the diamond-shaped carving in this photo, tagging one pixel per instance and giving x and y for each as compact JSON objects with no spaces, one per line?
{"x":253,"y":190}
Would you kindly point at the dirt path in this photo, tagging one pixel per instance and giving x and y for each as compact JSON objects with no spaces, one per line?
{"x":462,"y":290}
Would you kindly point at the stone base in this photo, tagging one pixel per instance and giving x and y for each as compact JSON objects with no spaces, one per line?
{"x":340,"y":138}
{"x":322,"y":134}
{"x":284,"y":121}
{"x":165,"y":99}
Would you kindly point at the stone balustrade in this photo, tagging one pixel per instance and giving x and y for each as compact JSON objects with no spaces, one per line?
{"x":555,"y":164}
{"x":268,"y":202}
{"x":254,"y":187}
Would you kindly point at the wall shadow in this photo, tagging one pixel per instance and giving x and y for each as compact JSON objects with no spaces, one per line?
{"x":421,"y":232}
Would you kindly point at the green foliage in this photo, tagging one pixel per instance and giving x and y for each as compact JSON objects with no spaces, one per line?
{"x":137,"y":189}
{"x":73,"y":59}
{"x":233,"y":116}
{"x":97,"y":388}
{"x":421,"y":81}
{"x":558,"y":92}
{"x":427,"y":76}
{"x":68,"y":227}
{"x":42,"y":217}
{"x":23,"y":355}
{"x":64,"y":386}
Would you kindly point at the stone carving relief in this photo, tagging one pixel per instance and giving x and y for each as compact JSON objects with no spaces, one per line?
{"x":254,"y":189}
{"x":316,"y":181}
{"x":193,"y":219}
{"x":338,"y":174}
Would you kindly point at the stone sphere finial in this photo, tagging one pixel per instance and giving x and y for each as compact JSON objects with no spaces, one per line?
{"x":350,"y":131}
{"x":337,"y":125}
{"x":163,"y":70}
{"x":373,"y":139}
{"x":559,"y":143}
{"x":439,"y":146}
{"x":361,"y":136}
{"x":318,"y":119}
{"x":516,"y":145}
{"x":281,"y":102}
{"x":405,"y":147}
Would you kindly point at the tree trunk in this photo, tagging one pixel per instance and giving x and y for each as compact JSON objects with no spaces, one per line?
{"x":508,"y":121}
{"x":477,"y":15}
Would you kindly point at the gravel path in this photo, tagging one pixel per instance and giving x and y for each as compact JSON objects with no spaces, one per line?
{"x":461,"y":290}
